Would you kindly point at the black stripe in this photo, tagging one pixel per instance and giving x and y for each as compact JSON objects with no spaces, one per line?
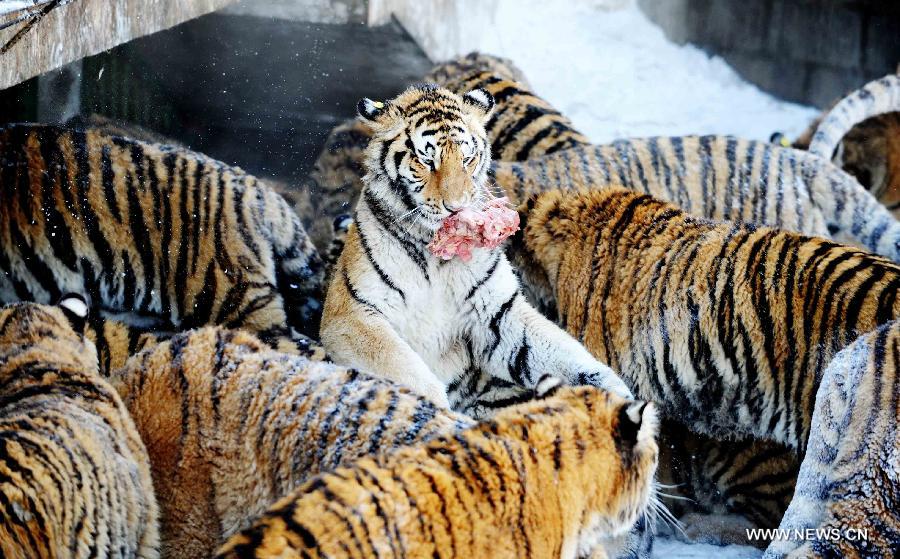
{"x":142,"y":242}
{"x":494,"y":323}
{"x":518,"y":368}
{"x":109,"y":183}
{"x":383,"y":217}
{"x":181,"y":262}
{"x":355,"y":295}
{"x":56,"y":231}
{"x":485,"y":278}
{"x":88,"y":214}
{"x":381,"y":273}
{"x":525,"y":151}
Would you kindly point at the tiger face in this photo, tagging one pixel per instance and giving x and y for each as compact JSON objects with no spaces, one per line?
{"x":429,"y":151}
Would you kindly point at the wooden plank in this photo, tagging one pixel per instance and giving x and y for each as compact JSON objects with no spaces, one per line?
{"x":84,"y":27}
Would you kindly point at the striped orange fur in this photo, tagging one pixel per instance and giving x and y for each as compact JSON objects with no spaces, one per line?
{"x":548,"y":478}
{"x":74,"y":474}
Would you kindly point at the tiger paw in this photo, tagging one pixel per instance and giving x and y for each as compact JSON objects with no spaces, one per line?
{"x":608,"y":380}
{"x":434,"y":392}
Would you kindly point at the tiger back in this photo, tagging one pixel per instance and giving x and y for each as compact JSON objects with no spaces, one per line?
{"x":74,"y":474}
{"x":720,"y":177}
{"x":231,"y":426}
{"x":727,"y":326}
{"x":455,"y":68}
{"x":549,"y":478}
{"x":523,"y":125}
{"x":156,"y":235}
{"x":849,"y":484}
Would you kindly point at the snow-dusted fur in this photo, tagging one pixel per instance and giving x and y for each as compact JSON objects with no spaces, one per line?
{"x":850,"y":477}
{"x":398,"y":311}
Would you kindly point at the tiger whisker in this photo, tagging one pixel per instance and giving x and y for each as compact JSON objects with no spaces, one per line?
{"x":659,"y":485}
{"x":676,"y":497}
{"x":408,"y":214}
{"x":662,"y":512}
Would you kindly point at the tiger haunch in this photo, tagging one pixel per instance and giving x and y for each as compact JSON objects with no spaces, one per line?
{"x":155,"y":235}
{"x":849,"y":483}
{"x":231,"y":426}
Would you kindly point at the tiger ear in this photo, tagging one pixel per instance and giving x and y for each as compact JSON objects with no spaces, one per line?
{"x":636,"y":423}
{"x":76,"y":310}
{"x":371,"y":110}
{"x":480,"y":102}
{"x":524,"y":209}
{"x":779,"y":139}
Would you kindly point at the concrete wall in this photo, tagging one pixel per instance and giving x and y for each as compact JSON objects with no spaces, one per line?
{"x":436,"y":24}
{"x":810,"y":51}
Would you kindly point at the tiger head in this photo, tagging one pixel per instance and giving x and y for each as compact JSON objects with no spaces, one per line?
{"x":870,"y":151}
{"x":600,"y":448}
{"x":429,"y":153}
{"x":57,"y":331}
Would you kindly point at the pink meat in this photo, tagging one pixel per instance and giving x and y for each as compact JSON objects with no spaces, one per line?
{"x":469,"y":228}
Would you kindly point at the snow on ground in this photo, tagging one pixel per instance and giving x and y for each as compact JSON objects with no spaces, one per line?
{"x":670,"y":548}
{"x":615,"y":74}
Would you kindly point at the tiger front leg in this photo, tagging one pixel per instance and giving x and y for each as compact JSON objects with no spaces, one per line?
{"x":359,"y":337}
{"x":521,"y":345}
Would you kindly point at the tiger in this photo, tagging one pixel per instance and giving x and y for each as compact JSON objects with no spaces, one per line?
{"x":727,"y":326}
{"x":332,"y":186}
{"x":522,"y":484}
{"x":232,"y":425}
{"x":861,"y":134}
{"x":523,"y":125}
{"x":74,"y":474}
{"x":748,"y":481}
{"x":723,"y":178}
{"x":850,"y":476}
{"x":394,"y":309}
{"x":156,"y":236}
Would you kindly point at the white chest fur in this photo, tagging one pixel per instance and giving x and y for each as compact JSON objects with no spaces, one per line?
{"x":438,"y":313}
